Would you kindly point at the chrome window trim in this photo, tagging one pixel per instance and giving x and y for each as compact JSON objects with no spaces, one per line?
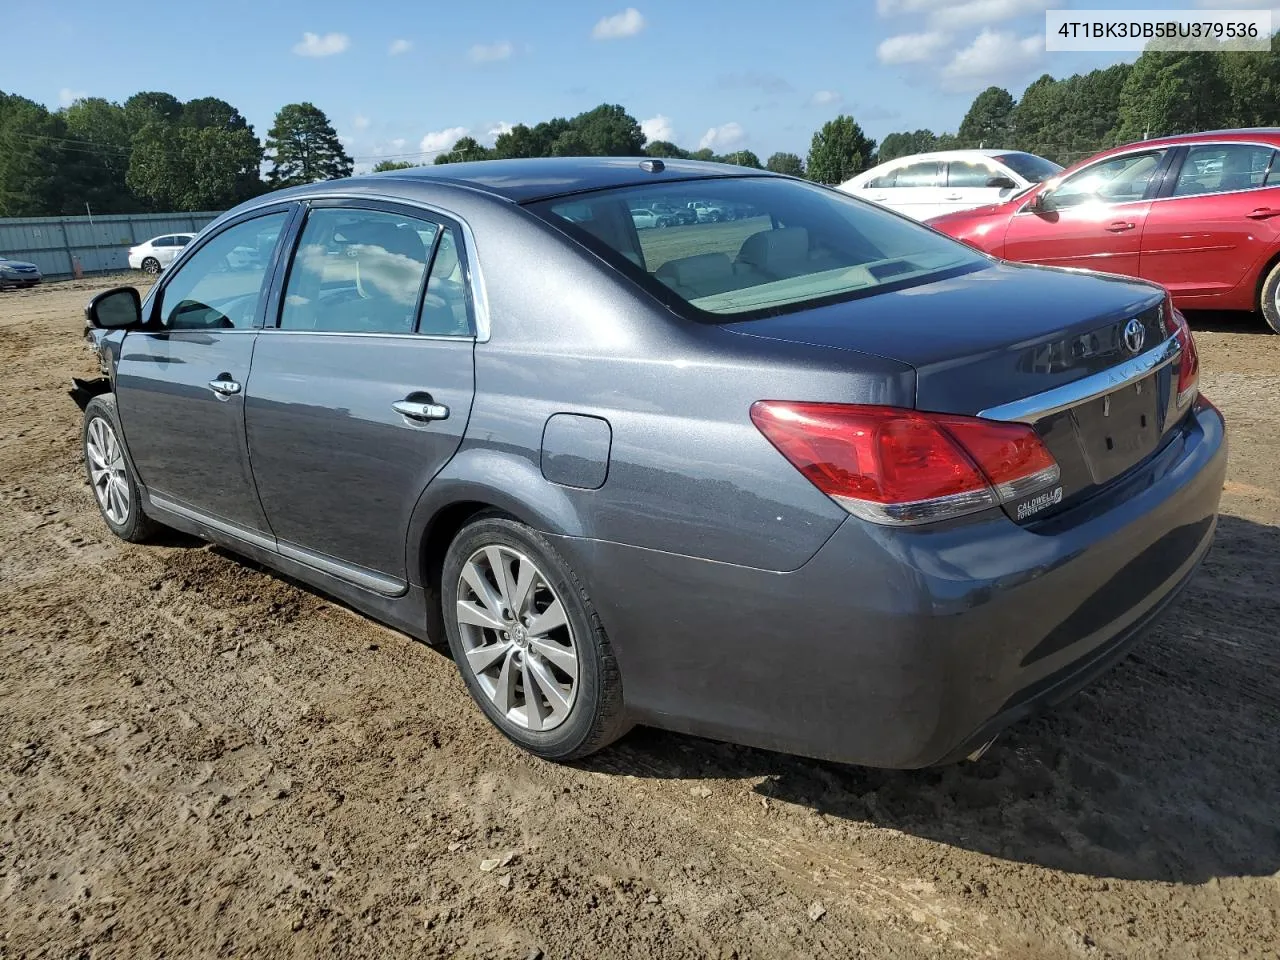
{"x":1041,"y":405}
{"x":366,"y":334}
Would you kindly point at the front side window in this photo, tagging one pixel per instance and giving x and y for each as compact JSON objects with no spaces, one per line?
{"x":357,"y":271}
{"x":1118,"y":180}
{"x":798,"y":245}
{"x":923,"y":173}
{"x":217,"y":288}
{"x":967,"y":173}
{"x":1220,"y":168}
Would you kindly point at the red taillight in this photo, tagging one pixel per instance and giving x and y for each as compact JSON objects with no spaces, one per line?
{"x":892,"y":465}
{"x":1189,"y":363}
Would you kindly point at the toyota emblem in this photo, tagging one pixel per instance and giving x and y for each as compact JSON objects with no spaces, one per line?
{"x":1135,"y":335}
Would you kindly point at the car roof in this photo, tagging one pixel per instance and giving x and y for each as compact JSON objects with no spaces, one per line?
{"x":951,"y":155}
{"x":538,"y":178}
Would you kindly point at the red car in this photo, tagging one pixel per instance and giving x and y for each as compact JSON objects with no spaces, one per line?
{"x":1198,"y":213}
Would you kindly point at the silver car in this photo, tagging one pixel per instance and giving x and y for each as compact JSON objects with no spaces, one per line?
{"x":826,"y":482}
{"x":18,"y":273}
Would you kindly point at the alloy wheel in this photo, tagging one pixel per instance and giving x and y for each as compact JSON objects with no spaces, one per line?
{"x":107,"y":471}
{"x":517,"y":638}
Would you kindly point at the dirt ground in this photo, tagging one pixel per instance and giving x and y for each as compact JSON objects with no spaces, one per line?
{"x":199,"y":759}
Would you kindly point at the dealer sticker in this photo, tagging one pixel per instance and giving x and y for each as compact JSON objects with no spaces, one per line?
{"x":1042,"y":502}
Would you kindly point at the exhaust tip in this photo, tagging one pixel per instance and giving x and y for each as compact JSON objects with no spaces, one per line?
{"x":981,"y":751}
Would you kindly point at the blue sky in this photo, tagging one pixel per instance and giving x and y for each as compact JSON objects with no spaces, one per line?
{"x":408,"y":77}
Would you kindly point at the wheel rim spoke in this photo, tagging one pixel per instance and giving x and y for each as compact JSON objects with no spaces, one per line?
{"x":529,"y":672}
{"x":556,"y":697}
{"x":474,"y":577}
{"x":561,"y":657}
{"x":548,"y":620}
{"x":478,"y":616}
{"x":482,"y":658}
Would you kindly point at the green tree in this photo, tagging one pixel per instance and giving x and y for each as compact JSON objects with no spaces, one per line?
{"x":743,"y":158}
{"x":1038,"y":115}
{"x":525,"y":141}
{"x":303,"y":147}
{"x":384,"y":166}
{"x":839,"y":150}
{"x":468,"y":148}
{"x":606,"y":131}
{"x":787,"y":163}
{"x":188,"y":168}
{"x":906,"y":143}
{"x":989,"y":121}
{"x":212,"y":112}
{"x":31,"y":151}
{"x":96,"y":164}
{"x":665,"y":148}
{"x":1253,"y":87}
{"x":1173,"y":91}
{"x":149,"y":107}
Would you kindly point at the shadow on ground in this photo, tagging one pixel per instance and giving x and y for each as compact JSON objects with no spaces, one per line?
{"x":1165,"y":769}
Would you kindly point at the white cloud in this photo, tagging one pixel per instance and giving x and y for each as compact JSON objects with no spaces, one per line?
{"x":361,"y":122}
{"x":658,"y":128}
{"x":724,"y":138}
{"x":438,"y":141}
{"x":825,"y":98}
{"x":314,"y":45}
{"x":981,"y":13}
{"x":992,"y":57}
{"x":625,"y":24}
{"x":67,"y":96}
{"x":912,"y":47}
{"x":399,"y":46}
{"x":491,"y":52}
{"x":495,"y":130}
{"x":889,"y":8}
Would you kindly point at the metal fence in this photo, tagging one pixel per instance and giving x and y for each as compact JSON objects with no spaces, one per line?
{"x":98,"y":244}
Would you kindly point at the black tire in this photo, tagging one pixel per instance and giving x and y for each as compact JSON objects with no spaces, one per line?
{"x":1267,"y":299}
{"x":151,"y":266}
{"x":135,"y":526}
{"x":597,"y":716}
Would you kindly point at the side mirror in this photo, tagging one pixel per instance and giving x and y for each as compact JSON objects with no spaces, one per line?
{"x":116,"y":309}
{"x":1037,"y":203}
{"x":1003,"y":183}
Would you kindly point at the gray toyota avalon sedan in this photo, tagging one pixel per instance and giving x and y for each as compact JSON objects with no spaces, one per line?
{"x":816,"y":478}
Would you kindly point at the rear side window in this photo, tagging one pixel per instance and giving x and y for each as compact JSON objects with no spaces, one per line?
{"x":925,"y":173}
{"x":967,"y":173}
{"x":1220,"y":168}
{"x":357,"y":271}
{"x":782,"y":244}
{"x":218,"y":286}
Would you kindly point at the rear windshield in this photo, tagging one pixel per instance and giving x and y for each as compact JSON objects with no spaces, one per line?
{"x":1030,"y":167}
{"x":755,"y":245}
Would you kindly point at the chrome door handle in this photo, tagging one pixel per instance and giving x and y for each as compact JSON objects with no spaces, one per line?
{"x":224,"y":386}
{"x":1262,"y":213}
{"x":421,"y":410}
{"x":1120,"y":226}
{"x":953,"y":196}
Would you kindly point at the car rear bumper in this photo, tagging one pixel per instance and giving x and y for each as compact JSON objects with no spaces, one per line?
{"x":908,"y":647}
{"x":135,"y":261}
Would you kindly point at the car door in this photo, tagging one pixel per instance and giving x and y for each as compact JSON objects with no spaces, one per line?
{"x":1093,"y":219}
{"x":167,"y":250}
{"x":967,"y":185}
{"x":1215,"y":219}
{"x":179,"y":382}
{"x":361,"y":385}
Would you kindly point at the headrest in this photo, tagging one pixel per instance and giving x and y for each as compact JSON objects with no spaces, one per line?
{"x":696,"y":271}
{"x":378,"y":236}
{"x":784,"y":245}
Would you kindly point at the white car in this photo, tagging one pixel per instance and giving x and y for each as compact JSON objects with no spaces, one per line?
{"x":926,"y":185}
{"x":158,"y":252}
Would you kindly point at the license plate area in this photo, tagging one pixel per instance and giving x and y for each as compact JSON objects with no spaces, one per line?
{"x":1120,"y":429}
